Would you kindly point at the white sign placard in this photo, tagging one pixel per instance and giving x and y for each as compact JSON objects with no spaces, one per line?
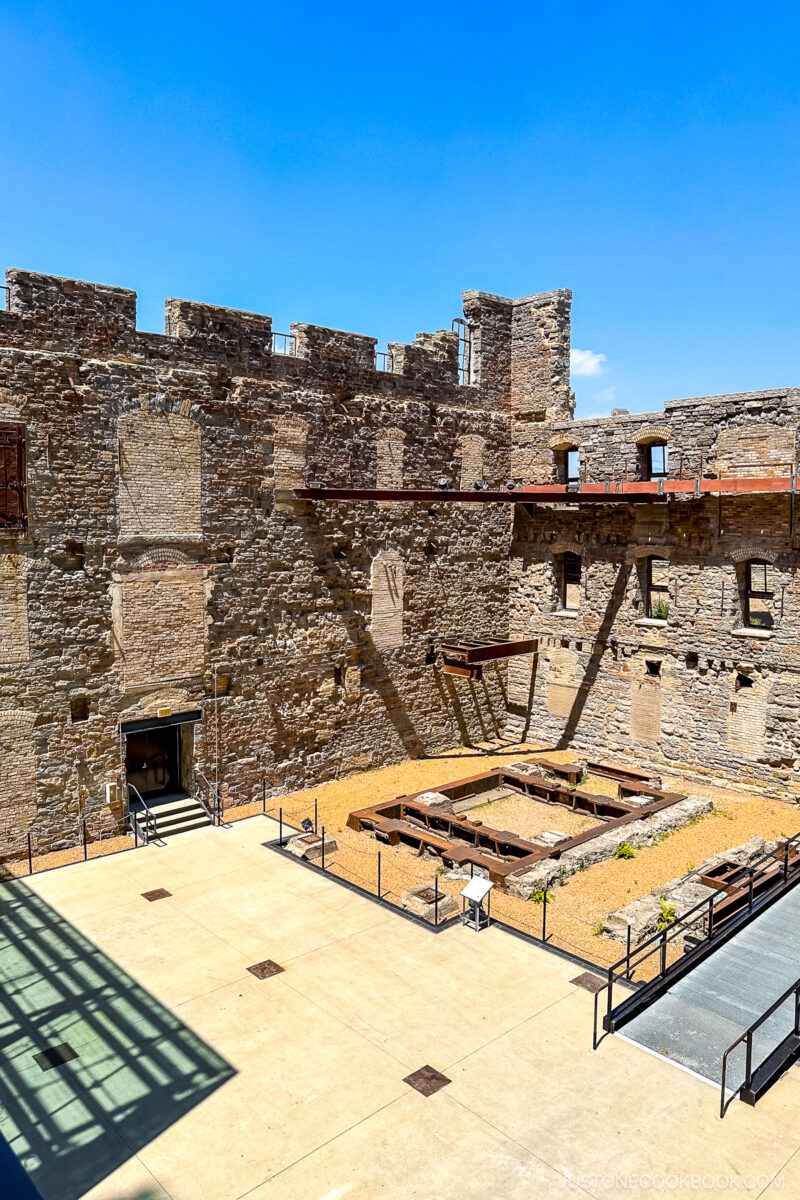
{"x":477,"y":888}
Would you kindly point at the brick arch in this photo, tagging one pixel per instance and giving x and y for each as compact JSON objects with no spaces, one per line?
{"x":565,"y":546}
{"x":387,"y":581}
{"x":562,"y":442}
{"x":744,"y":553}
{"x":162,"y":556}
{"x":159,"y":474}
{"x":637,"y":552}
{"x":647,"y":435}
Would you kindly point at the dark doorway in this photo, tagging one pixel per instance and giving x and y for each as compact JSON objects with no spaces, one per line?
{"x":153,"y":761}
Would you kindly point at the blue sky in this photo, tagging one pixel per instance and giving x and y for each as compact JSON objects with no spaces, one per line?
{"x":359,"y":166}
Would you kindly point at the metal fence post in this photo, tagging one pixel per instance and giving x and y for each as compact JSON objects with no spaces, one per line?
{"x":663,"y":950}
{"x":544,"y":917}
{"x":379,"y":874}
{"x":135,"y":834}
{"x":628,"y":953}
{"x":264,"y":795}
{"x":84,"y":842}
{"x":323,"y":847}
{"x":315,"y":817}
{"x":280,"y":826}
{"x":436,"y":899}
{"x":30,"y":855}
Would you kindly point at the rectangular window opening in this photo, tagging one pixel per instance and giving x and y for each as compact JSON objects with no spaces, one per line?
{"x":571,"y":582}
{"x":658,"y":589}
{"x":759,"y":595}
{"x":658,"y":461}
{"x":13,"y":501}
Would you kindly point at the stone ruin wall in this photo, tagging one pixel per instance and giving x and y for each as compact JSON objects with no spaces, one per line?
{"x":167,"y":559}
{"x":591,"y":687}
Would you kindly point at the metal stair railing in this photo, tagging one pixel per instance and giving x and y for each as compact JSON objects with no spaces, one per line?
{"x":747,"y":1037}
{"x":150,"y":827}
{"x":215,"y":814}
{"x":699,"y":918}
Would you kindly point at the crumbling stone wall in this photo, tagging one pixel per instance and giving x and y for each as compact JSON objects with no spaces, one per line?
{"x":592,"y":686}
{"x":168,"y":565}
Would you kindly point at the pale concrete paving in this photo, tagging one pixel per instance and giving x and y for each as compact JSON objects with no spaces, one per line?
{"x":302,"y":1074}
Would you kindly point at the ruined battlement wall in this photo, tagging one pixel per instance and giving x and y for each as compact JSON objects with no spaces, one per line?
{"x":518,"y":359}
{"x":167,"y":565}
{"x":749,"y":434}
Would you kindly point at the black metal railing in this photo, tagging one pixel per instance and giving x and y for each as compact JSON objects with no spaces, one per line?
{"x":702,"y":924}
{"x":147,"y":828}
{"x":285,"y":343}
{"x":216,"y":810}
{"x":747,"y":1038}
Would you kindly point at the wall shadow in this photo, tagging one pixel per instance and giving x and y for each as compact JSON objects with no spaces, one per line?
{"x":133,"y":1068}
{"x":599,"y":644}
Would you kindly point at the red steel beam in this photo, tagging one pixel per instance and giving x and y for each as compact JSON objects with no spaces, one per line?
{"x":613,"y":492}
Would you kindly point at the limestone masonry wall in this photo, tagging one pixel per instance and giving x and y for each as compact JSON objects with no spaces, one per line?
{"x":166,"y":565}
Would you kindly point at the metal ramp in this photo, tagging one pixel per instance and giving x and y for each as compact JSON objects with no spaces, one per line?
{"x":719,"y":988}
{"x":703,"y":1013}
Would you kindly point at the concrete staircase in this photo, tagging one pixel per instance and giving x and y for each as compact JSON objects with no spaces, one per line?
{"x":700,"y":1015}
{"x":171,"y":815}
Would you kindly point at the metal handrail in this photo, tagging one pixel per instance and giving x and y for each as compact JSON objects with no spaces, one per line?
{"x":149,"y":818}
{"x":657,"y":942}
{"x":747,"y":1037}
{"x":217,"y":816}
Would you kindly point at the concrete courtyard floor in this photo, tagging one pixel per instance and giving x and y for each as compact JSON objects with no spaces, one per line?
{"x":222,"y":1085}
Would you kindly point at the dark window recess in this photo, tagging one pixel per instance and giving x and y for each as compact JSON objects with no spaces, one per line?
{"x":652,"y":666}
{"x":430,"y":655}
{"x":431,"y":549}
{"x":74,"y":555}
{"x":759,"y":595}
{"x":692,"y":660}
{"x":568,"y":467}
{"x":13,"y":500}
{"x":338,"y":677}
{"x":658,"y":461}
{"x":658,"y":588}
{"x":79,"y":707}
{"x":743,"y":681}
{"x":571,"y":581}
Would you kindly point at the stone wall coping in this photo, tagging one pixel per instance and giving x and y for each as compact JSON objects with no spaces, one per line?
{"x":761,"y":635}
{"x":651,"y":623}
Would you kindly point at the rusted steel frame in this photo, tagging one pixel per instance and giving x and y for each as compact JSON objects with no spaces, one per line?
{"x":486,"y":651}
{"x":450,"y":667}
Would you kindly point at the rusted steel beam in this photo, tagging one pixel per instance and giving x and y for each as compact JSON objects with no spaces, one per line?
{"x":449,"y":667}
{"x":478,"y":650}
{"x":612,"y":492}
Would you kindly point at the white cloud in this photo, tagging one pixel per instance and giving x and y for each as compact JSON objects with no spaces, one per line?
{"x":586,"y":362}
{"x":606,"y":395}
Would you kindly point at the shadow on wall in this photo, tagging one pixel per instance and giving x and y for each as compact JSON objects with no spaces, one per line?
{"x":615,"y":601}
{"x":375,"y":670}
{"x":126,"y":1068}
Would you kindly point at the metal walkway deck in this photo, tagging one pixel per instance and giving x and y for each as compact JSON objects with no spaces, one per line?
{"x":702,"y":1014}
